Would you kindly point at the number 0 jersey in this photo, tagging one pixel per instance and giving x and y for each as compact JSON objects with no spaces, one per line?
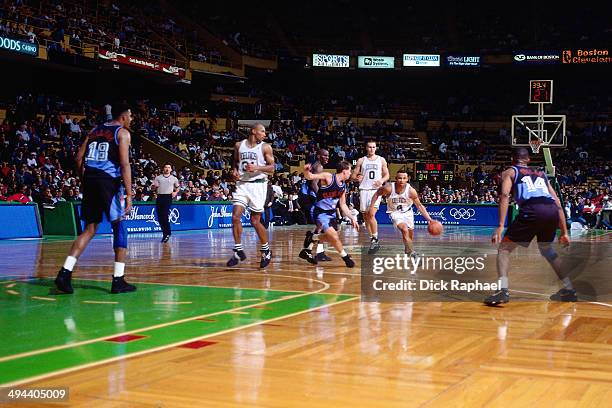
{"x":102,"y":154}
{"x":529,"y":182}
{"x":371,"y":170}
{"x":254,"y":156}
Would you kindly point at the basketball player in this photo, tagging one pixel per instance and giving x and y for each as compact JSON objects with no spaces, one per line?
{"x":400,"y":197}
{"x":253,"y":160}
{"x":540,"y":213}
{"x":331,"y":193}
{"x":103,"y":161}
{"x":167,"y":186}
{"x":372,"y":173}
{"x":308,"y":195}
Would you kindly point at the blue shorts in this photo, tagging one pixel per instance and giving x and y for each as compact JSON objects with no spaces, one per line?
{"x":324,"y":218}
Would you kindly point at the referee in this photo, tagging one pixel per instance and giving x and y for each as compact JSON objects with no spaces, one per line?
{"x":167,"y":187}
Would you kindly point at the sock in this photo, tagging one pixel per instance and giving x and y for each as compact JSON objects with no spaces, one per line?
{"x":409,"y":248}
{"x":320,"y":249}
{"x":238,"y":247}
{"x":119,"y":269}
{"x":567,"y":284}
{"x":375,"y":236}
{"x":504,"y":282}
{"x":343,"y":253}
{"x":70,"y":262}
{"x":265,"y":247}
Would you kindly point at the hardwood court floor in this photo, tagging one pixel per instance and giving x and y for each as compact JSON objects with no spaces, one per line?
{"x":199,"y":334}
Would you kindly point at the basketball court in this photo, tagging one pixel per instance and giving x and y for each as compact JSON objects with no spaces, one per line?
{"x":197,"y":333}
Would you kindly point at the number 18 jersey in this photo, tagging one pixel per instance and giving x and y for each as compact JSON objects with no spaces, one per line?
{"x":102,"y":154}
{"x":529,"y":182}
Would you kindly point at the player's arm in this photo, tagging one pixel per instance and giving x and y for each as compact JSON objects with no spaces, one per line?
{"x":564,"y":238}
{"x":268,"y":157}
{"x":236,"y":161}
{"x":316,"y":168}
{"x":414,"y":196}
{"x":345,"y":210}
{"x":356,"y":175}
{"x":383,"y":191}
{"x":504,"y":202}
{"x":385,"y":174}
{"x":80,"y":158}
{"x":309,"y":175}
{"x":124,"y":163}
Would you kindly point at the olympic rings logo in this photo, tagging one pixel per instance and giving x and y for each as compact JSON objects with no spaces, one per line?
{"x":462,"y":213}
{"x":174,"y":215}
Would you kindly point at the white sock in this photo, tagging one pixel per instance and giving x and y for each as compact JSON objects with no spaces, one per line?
{"x":375,"y":235}
{"x":320,"y":249}
{"x":70,"y":262}
{"x":343,"y":253}
{"x":504,"y":282}
{"x":567,"y":283}
{"x":119,"y":269}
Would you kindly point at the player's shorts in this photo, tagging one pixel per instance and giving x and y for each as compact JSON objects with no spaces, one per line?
{"x":365,"y":199}
{"x":402,"y":217}
{"x":536,"y":218}
{"x":324,"y":218}
{"x":102,"y":196}
{"x":251,"y":195}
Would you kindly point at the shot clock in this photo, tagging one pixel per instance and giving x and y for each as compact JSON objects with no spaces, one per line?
{"x":541,"y":91}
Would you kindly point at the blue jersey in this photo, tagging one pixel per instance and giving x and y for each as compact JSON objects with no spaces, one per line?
{"x":529,"y":183}
{"x":328,"y":196}
{"x":102,"y":155}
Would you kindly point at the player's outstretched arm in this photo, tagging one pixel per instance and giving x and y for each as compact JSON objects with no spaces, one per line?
{"x":309,"y":175}
{"x":414,"y":196}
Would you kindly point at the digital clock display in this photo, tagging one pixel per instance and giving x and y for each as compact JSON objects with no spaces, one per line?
{"x":434,"y":172}
{"x":540,"y":91}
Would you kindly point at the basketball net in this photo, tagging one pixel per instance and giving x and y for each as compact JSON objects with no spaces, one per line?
{"x":535,"y":144}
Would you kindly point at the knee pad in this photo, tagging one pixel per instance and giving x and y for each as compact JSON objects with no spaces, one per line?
{"x":120,"y":235}
{"x":549,"y":253}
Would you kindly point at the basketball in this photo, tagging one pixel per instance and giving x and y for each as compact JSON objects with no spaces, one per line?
{"x":435,"y":228}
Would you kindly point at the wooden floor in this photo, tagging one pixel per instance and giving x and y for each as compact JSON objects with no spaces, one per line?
{"x":531,"y":352}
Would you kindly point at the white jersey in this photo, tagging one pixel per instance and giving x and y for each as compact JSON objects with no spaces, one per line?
{"x":253,"y":156}
{"x":371,"y":170}
{"x":399,"y":202}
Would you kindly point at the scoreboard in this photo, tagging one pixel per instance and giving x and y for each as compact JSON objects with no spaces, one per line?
{"x":434,"y":172}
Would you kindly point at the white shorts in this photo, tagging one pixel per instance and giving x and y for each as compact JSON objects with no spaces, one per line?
{"x":403,"y":217}
{"x":251,"y":195}
{"x":365,"y":198}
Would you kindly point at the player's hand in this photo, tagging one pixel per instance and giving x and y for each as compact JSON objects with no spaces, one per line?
{"x":355,"y":223}
{"x":359,"y":178}
{"x":496,"y":237}
{"x":307,"y":167}
{"x":236,"y":174}
{"x":128,"y":205}
{"x":564,"y":240}
{"x":174,"y":194}
{"x":250,"y":167}
{"x":377,"y":183}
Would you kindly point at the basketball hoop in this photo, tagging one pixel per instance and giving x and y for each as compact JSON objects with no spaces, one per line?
{"x":535,"y":145}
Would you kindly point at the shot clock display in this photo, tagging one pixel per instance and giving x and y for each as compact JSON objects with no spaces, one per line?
{"x":540,"y":91}
{"x":434,"y":172}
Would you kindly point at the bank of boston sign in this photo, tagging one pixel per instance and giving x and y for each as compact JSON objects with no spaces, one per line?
{"x":21,"y":47}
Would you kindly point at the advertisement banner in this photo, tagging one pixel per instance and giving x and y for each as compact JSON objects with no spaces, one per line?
{"x":330,"y":60}
{"x":536,"y":57}
{"x":142,"y":63}
{"x":581,"y":56}
{"x":19,"y":221}
{"x":182,"y":217}
{"x":421,"y":60}
{"x":373,"y":62}
{"x":463,"y":60}
{"x":21,"y":47}
{"x":450,"y":214}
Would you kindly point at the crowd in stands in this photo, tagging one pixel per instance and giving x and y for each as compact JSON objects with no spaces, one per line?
{"x":39,"y":144}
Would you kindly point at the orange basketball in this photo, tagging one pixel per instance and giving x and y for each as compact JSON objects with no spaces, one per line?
{"x":435,"y":228}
